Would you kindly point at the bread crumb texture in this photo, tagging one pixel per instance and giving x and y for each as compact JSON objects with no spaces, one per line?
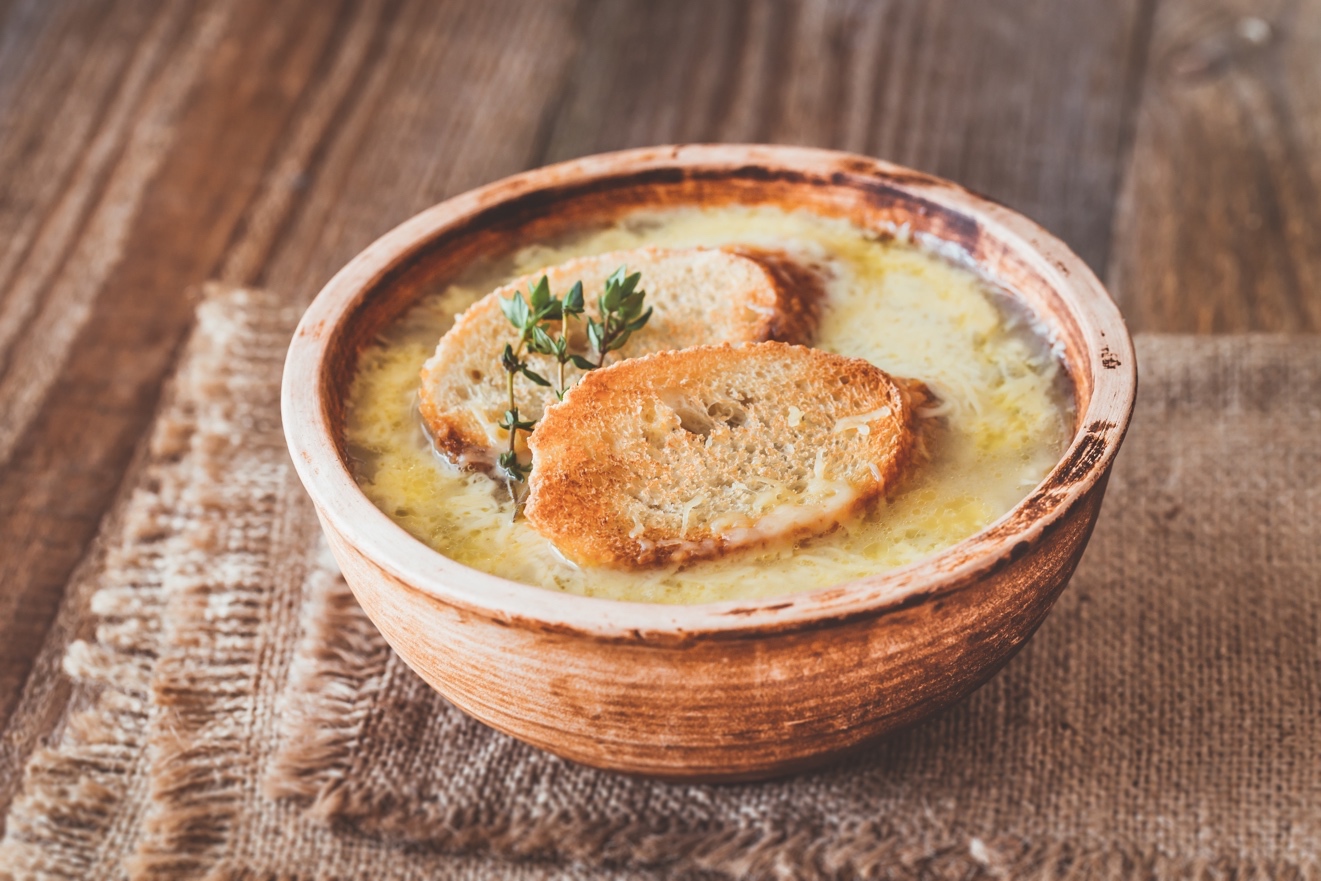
{"x":700,"y":296}
{"x":684,"y":455}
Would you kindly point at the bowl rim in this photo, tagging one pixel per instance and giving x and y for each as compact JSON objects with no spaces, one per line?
{"x":349,"y":512}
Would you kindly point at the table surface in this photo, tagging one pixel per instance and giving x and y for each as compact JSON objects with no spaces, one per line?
{"x":146,"y":147}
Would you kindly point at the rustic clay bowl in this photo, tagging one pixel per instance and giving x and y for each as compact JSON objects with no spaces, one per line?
{"x":724,"y":691}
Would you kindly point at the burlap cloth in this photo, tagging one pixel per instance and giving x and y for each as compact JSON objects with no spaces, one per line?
{"x":235,"y":715}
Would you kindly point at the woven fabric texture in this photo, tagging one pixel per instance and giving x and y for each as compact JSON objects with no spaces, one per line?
{"x":236,"y":716}
{"x":1165,"y":721}
{"x":156,"y":770}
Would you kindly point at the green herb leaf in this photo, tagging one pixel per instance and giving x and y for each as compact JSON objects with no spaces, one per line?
{"x":541,"y":341}
{"x":639,"y":322}
{"x":573,"y":300}
{"x":614,"y":292}
{"x":539,"y":294}
{"x":630,"y":283}
{"x":511,"y":422}
{"x":632,"y":305}
{"x":621,"y":315}
{"x":508,"y":360}
{"x":536,"y":377}
{"x":616,"y":278}
{"x":516,"y":310}
{"x":510,"y":465}
{"x":507,"y":307}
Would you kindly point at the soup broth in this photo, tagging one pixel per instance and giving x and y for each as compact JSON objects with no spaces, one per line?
{"x":1004,"y":414}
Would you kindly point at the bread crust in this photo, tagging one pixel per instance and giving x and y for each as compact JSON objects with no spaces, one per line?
{"x":765,"y":442}
{"x":799,"y":292}
{"x":700,"y":296}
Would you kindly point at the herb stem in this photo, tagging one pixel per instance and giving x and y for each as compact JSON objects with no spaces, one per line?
{"x":513,"y":407}
{"x":621,"y":309}
{"x":509,"y":461}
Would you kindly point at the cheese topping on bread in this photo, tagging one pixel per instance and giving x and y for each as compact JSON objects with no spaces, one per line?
{"x":700,"y":296}
{"x":682,"y":455}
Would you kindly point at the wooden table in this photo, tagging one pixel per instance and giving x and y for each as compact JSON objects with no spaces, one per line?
{"x":149,"y":146}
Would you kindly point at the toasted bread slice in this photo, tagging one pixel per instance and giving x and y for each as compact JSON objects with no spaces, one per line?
{"x":683,"y":455}
{"x":700,"y":296}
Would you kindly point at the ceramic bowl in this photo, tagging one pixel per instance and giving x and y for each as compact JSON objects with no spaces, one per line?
{"x":733,"y":690}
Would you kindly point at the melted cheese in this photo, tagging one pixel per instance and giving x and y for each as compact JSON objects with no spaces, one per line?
{"x":858,"y":422}
{"x":1003,"y":408}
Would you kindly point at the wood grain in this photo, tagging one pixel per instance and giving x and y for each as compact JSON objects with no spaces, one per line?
{"x":148,"y":146}
{"x":260,"y":170}
{"x":1027,"y":101}
{"x":1220,"y":228}
{"x":82,"y":376}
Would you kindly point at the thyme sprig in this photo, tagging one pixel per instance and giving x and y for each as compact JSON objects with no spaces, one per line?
{"x":570,"y":307}
{"x":527,"y":315}
{"x":620,"y":307}
{"x":621,"y":314}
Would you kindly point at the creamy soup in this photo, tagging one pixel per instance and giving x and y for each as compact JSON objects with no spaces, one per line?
{"x":1004,"y":417}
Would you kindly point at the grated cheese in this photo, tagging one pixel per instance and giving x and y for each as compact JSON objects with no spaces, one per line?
{"x":858,"y":422}
{"x":1005,"y":415}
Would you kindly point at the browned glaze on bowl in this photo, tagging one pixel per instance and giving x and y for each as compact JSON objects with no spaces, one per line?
{"x":724,"y":691}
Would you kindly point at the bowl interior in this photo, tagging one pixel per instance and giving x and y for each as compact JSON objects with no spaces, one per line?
{"x":435,"y":247}
{"x":867,"y":201}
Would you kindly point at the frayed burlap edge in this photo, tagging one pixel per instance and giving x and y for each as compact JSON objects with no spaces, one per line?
{"x":340,"y":656}
{"x":98,"y":795}
{"x":342,"y":662}
{"x":77,"y":815}
{"x":79,"y":811}
{"x":249,"y":525}
{"x":153,"y":770}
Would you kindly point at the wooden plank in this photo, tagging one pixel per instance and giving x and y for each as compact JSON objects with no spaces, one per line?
{"x":306,"y":134}
{"x":1023,"y":100}
{"x":82,"y":374}
{"x":443,"y":105}
{"x":460,"y":98}
{"x":67,"y":126}
{"x":145,"y":147}
{"x":1220,"y":225}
